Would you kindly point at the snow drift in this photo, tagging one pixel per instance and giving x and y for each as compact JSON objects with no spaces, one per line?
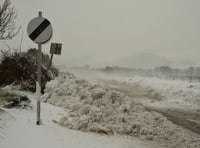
{"x":104,"y":110}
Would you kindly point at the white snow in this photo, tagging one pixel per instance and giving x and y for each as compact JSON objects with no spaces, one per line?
{"x":176,"y":93}
{"x":103,"y":110}
{"x":22,"y":132}
{"x":90,"y":107}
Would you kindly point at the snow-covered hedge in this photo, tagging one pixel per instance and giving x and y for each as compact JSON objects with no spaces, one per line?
{"x":21,"y":69}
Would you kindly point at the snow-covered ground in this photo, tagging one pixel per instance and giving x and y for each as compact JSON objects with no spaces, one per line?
{"x":90,"y":107}
{"x":175,"y":93}
{"x":22,"y":132}
{"x":97,"y":108}
{"x":168,"y":93}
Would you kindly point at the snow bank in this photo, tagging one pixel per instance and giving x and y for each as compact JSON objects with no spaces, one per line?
{"x":98,"y":109}
{"x":20,"y":132}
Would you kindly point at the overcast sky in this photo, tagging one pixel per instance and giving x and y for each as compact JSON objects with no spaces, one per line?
{"x":111,"y":29}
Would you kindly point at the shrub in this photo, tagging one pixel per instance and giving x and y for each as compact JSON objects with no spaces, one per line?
{"x":21,"y":69}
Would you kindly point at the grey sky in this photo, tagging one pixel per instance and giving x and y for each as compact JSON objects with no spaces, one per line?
{"x":116,"y":28}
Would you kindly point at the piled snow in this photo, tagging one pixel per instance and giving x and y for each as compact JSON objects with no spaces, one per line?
{"x":97,"y":109}
{"x":22,"y":132}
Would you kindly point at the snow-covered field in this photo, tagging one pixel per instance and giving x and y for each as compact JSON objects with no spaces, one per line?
{"x":173,"y":93}
{"x":160,"y":92}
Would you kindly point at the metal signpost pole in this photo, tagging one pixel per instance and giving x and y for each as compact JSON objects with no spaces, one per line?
{"x":40,"y":31}
{"x":39,"y":79}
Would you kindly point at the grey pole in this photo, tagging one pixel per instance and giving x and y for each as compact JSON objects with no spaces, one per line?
{"x":39,"y":78}
{"x":50,"y":62}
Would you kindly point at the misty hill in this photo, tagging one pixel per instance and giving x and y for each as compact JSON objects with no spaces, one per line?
{"x":145,"y":60}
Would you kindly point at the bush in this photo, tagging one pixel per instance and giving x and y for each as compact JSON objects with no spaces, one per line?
{"x":21,"y":69}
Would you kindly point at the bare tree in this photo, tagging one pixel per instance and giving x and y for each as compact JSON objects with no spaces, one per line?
{"x":8,"y":16}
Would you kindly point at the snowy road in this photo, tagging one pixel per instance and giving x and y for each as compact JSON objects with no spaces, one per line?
{"x":23,"y":133}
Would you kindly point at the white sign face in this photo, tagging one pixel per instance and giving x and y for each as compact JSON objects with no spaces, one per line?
{"x":56,"y":48}
{"x":39,"y":30}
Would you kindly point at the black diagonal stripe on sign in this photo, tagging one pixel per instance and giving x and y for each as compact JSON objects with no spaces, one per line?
{"x":39,"y":29}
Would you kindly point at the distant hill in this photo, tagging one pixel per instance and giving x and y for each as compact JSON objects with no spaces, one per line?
{"x":145,"y":60}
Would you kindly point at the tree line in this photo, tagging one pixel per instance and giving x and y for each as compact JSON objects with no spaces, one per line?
{"x":190,"y":74}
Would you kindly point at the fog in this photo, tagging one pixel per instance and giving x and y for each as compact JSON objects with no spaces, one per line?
{"x":111,"y":32}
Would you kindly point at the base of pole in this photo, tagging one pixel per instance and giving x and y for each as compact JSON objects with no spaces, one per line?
{"x":38,"y":123}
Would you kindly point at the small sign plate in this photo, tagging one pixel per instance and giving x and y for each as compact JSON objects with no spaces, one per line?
{"x":56,"y":48}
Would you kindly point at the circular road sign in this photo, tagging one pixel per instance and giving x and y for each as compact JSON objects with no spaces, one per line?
{"x":39,"y":30}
